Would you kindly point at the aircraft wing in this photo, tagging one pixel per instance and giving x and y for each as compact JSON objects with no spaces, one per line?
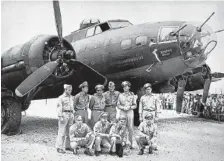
{"x":217,"y":76}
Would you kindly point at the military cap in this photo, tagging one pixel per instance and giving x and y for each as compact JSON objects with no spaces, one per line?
{"x":99,"y":86}
{"x":147,"y":85}
{"x":111,"y":83}
{"x":149,"y":116}
{"x":67,"y":85}
{"x":104,"y":114}
{"x":125,"y":83}
{"x":84,"y":84}
{"x":122,"y":117}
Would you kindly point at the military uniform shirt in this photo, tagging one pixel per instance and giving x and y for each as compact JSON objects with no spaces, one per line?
{"x":111,"y":98}
{"x":81,"y":101}
{"x":121,"y":131}
{"x":148,"y":103}
{"x":64,"y":103}
{"x":100,"y":128}
{"x":149,"y":130}
{"x":126,"y":100}
{"x":82,"y":131}
{"x":97,"y":102}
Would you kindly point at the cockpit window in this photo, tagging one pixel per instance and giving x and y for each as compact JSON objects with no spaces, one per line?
{"x":90,"y":32}
{"x":97,"y":29}
{"x":119,"y":24}
{"x":164,"y":34}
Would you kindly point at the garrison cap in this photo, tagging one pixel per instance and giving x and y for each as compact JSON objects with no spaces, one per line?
{"x":125,"y":83}
{"x":84,"y":84}
{"x":104,"y":115}
{"x":99,"y":86}
{"x":149,"y":116}
{"x":147,"y":85}
{"x":67,"y":86}
{"x":111,"y":84}
{"x":122,"y":117}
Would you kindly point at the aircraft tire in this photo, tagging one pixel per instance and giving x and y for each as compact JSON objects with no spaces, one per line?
{"x":10,"y":115}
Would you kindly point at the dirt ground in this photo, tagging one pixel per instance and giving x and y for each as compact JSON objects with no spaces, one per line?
{"x":181,"y":138}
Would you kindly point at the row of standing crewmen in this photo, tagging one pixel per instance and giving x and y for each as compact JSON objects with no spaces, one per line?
{"x":118,"y":106}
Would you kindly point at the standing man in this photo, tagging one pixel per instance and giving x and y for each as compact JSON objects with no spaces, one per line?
{"x":97,"y":104}
{"x":101,"y":130}
{"x":127,"y":103}
{"x":147,"y":134}
{"x":81,"y":102}
{"x":111,"y":98}
{"x":118,"y":134}
{"x":81,"y":135}
{"x":147,"y":103}
{"x":65,"y":119}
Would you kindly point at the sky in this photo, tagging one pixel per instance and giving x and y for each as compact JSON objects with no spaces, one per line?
{"x":22,"y":20}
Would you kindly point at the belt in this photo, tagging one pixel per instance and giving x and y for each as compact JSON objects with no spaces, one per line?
{"x":80,"y":109}
{"x":98,"y":109}
{"x":149,"y":110}
{"x":67,"y":111}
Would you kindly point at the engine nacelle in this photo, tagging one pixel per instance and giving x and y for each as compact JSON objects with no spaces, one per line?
{"x":20,"y":61}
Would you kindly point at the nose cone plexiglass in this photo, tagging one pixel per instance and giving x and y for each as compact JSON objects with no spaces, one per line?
{"x":195,"y":43}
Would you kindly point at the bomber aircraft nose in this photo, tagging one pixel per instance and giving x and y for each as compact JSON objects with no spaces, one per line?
{"x":195,"y":43}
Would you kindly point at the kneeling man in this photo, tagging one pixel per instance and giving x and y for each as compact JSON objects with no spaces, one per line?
{"x":101,"y":130}
{"x":81,"y":135}
{"x":147,"y":134}
{"x":118,"y":134}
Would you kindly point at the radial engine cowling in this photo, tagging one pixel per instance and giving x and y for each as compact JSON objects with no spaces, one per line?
{"x":20,"y":61}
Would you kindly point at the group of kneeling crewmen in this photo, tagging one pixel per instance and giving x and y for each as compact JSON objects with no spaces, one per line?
{"x":111,"y":120}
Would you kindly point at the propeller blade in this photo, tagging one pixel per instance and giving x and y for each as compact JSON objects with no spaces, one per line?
{"x":58,"y":20}
{"x":87,"y":73}
{"x":36,"y":78}
{"x":180,"y":95}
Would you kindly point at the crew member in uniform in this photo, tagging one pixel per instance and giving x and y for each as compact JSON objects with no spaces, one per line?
{"x":81,"y":102}
{"x":81,"y":135}
{"x":147,"y":134}
{"x":111,"y":98}
{"x":65,"y":119}
{"x":147,"y":103}
{"x":118,"y":135}
{"x":127,"y":103}
{"x":101,"y":130}
{"x":97,"y":104}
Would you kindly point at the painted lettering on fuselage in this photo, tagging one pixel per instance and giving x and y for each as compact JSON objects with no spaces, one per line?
{"x":166,"y":52}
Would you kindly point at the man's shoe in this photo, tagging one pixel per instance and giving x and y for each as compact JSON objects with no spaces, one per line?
{"x":69,"y":149}
{"x":60,"y":151}
{"x":150,"y":150}
{"x":113,"y":153}
{"x":141,"y":152}
{"x":97,"y":153}
{"x":88,"y":152}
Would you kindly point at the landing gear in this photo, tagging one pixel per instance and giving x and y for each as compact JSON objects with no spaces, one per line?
{"x":207,"y":83}
{"x":180,"y":95}
{"x":10,"y":115}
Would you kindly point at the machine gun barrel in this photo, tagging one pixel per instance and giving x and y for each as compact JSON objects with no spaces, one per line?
{"x":199,"y":28}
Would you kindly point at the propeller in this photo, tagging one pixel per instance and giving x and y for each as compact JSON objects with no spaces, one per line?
{"x":42,"y":73}
{"x":58,"y":20}
{"x":36,"y":78}
{"x":61,"y":58}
